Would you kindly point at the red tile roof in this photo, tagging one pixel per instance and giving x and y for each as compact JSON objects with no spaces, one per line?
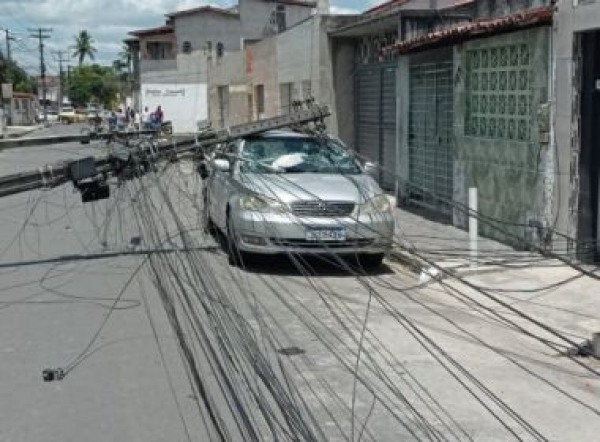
{"x":203,"y":9}
{"x":152,"y":31}
{"x":24,"y":95}
{"x":481,"y":28}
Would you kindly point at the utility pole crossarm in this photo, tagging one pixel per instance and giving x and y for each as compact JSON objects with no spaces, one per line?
{"x":122,"y":157}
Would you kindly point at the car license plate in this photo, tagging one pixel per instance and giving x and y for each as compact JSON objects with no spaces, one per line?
{"x":334,"y":234}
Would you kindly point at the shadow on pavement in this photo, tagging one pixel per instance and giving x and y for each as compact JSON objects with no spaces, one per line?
{"x":313,"y":265}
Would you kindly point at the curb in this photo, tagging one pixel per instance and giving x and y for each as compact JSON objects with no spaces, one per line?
{"x":408,"y":260}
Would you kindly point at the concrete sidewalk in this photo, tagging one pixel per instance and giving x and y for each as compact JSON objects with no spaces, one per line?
{"x":445,"y":245}
{"x":21,"y":131}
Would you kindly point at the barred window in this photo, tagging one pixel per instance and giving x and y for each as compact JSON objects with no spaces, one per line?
{"x":499,"y":92}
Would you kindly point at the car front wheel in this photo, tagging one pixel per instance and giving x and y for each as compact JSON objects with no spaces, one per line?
{"x":234,"y":254}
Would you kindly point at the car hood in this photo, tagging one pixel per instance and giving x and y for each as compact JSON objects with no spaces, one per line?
{"x":288,"y":187}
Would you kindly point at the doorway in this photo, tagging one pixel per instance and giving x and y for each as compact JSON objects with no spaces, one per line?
{"x":589,"y":156}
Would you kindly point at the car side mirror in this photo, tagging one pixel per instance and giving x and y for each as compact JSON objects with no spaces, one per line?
{"x":222,"y":165}
{"x":371,"y":169}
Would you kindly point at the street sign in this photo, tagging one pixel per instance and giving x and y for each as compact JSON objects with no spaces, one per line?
{"x":7,"y":91}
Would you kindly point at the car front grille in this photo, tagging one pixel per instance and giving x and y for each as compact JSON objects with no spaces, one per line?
{"x":303,"y":244}
{"x":322,"y":208}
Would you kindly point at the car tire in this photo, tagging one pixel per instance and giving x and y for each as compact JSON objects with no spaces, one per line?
{"x":371,"y":261}
{"x":208,"y":226}
{"x":235,"y":256}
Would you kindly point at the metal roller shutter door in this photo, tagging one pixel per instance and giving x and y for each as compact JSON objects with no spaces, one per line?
{"x":367,"y":112}
{"x":431,"y":119}
{"x":375,"y":110}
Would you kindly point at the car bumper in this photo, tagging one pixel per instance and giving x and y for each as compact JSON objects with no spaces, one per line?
{"x":272,"y":233}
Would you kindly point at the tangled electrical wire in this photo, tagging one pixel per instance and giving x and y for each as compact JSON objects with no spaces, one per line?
{"x":231,"y":325}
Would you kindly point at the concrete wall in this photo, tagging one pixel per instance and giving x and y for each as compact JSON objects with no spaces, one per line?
{"x":342,"y":60}
{"x":286,"y":60}
{"x":199,"y":29}
{"x":231,"y":72}
{"x":183,"y":103}
{"x":499,"y":8}
{"x":298,"y":52}
{"x":256,"y":17}
{"x":264,"y":71}
{"x":303,"y":59}
{"x":22,"y":111}
{"x":502,"y":153}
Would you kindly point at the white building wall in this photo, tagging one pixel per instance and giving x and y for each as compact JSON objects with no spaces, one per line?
{"x":184,"y":104}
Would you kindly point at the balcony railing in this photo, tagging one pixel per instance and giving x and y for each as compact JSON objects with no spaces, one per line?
{"x":167,"y":64}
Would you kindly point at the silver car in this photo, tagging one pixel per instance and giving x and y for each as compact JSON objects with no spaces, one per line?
{"x":285,"y":192}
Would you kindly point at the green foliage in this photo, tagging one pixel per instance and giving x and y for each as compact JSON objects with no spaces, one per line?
{"x":22,"y":81}
{"x":84,"y":47}
{"x":94,"y":83}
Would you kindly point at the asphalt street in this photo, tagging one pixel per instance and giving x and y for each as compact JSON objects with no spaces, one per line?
{"x":128,"y":381}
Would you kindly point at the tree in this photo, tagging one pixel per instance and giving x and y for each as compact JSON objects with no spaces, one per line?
{"x":125,"y":57}
{"x":84,"y":47}
{"x":94,"y":83}
{"x":21,"y":80}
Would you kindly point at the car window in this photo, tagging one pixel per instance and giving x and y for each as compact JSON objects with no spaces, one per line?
{"x":297,"y":155}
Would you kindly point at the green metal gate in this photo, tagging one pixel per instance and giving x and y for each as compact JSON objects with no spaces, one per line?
{"x":430,"y":135}
{"x":375,"y":110}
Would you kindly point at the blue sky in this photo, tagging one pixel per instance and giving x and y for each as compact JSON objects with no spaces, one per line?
{"x":107,"y":21}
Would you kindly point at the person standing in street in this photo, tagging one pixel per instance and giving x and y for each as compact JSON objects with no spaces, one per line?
{"x":136,"y":121}
{"x":158,"y":114}
{"x":131,"y":118}
{"x":146,"y":119}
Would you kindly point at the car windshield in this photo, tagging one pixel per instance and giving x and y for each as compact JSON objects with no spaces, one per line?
{"x":297,"y":155}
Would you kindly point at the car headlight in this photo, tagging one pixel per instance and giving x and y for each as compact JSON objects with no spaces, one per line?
{"x":256,"y":203}
{"x":378,"y":205}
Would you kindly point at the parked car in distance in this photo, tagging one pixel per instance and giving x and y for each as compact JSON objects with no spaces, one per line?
{"x":51,"y":115}
{"x":285,"y":192}
{"x":69,"y":115}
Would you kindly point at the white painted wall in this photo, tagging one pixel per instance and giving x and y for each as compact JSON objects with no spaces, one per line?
{"x":182,"y":104}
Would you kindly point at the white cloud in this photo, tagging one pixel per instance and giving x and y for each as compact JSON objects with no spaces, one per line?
{"x":343,"y":10}
{"x":107,"y":22}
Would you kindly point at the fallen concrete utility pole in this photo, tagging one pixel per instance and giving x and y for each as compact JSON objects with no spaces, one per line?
{"x":73,"y":138}
{"x":89,"y":174}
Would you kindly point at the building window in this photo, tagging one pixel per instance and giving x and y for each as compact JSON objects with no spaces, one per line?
{"x":280,"y":18}
{"x":186,"y":48}
{"x":499,"y":92}
{"x":260,"y":99}
{"x":220,"y":50}
{"x":158,"y":50}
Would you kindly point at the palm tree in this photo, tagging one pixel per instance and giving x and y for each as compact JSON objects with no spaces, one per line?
{"x":125,"y":56}
{"x":84,"y":46}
